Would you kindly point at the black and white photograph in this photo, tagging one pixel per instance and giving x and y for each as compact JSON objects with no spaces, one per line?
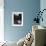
{"x":17,"y":18}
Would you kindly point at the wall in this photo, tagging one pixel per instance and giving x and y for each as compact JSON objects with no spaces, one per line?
{"x":1,"y":21}
{"x":43,"y":6}
{"x":29,"y":8}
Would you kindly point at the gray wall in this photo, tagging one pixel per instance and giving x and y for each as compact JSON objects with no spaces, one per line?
{"x":43,"y":6}
{"x":29,"y":8}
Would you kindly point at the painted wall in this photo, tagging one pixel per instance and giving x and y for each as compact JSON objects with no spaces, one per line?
{"x":29,"y":8}
{"x":43,"y":6}
{"x":1,"y":20}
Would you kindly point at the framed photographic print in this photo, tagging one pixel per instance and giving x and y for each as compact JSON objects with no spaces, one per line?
{"x":17,"y":18}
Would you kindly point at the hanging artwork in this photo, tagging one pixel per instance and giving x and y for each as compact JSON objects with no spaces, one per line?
{"x":17,"y":18}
